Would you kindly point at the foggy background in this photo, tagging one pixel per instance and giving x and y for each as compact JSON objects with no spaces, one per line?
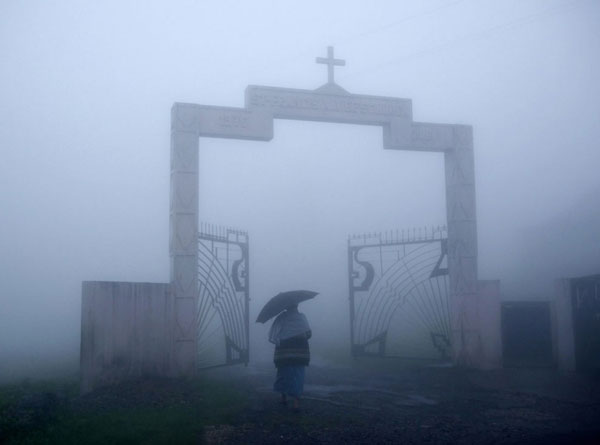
{"x":85,"y":95}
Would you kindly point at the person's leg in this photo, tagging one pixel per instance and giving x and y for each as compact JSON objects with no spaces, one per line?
{"x":284,"y":383}
{"x":279,"y":385}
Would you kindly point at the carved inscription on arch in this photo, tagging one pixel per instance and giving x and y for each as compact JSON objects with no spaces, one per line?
{"x":290,"y":103}
{"x":408,"y":135}
{"x":223,"y":122}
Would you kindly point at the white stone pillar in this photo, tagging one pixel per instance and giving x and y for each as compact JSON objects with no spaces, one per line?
{"x":490,"y":324}
{"x":183,"y":244}
{"x":462,"y":247}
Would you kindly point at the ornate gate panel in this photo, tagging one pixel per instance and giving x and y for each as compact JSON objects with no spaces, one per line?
{"x":223,"y":302}
{"x":399,"y":297}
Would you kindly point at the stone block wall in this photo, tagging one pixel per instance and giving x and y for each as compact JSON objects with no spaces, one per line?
{"x":489,"y":317}
{"x":125,"y":331}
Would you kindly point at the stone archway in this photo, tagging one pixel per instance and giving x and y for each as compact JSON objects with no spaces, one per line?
{"x":329,"y":103}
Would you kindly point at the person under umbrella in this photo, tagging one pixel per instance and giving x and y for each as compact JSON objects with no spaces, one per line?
{"x":290,"y":333}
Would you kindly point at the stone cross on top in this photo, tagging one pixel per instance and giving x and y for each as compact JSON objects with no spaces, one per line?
{"x":330,"y":62}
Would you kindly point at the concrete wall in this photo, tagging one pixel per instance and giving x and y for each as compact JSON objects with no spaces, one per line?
{"x":125,"y":331}
{"x":490,"y":329}
{"x":489,"y":353}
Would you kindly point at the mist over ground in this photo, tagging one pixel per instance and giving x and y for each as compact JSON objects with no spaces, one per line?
{"x":86,"y":93}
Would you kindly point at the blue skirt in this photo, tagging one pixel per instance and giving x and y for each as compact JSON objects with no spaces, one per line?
{"x":290,"y":380}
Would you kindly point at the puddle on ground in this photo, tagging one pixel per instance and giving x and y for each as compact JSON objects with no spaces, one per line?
{"x":325,"y":390}
{"x":415,"y":400}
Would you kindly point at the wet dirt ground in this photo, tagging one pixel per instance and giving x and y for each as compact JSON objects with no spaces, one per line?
{"x":416,"y":405}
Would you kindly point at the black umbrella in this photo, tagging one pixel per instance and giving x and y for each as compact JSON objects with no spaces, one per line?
{"x":281,"y":302}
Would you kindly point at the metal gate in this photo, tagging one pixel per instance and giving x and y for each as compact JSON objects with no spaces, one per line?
{"x":223,"y":303}
{"x":398,"y":285}
{"x":585,"y":297}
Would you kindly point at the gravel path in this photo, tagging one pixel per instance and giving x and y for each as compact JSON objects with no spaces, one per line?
{"x":367,"y":403}
{"x":417,"y":405}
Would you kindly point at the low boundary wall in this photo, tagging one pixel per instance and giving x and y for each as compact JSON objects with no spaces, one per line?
{"x":125,"y":331}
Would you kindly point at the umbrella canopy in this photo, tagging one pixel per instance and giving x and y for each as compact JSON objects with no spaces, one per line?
{"x":281,"y":302}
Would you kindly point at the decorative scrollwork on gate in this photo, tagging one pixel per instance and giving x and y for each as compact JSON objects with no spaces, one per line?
{"x":398,"y":285}
{"x":222,"y":312}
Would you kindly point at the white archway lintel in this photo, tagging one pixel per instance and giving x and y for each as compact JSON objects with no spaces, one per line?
{"x":263,"y":104}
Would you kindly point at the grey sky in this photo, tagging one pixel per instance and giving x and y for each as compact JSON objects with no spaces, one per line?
{"x":86,"y":90}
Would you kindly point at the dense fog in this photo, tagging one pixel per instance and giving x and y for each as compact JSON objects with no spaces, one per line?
{"x":86,"y":91}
